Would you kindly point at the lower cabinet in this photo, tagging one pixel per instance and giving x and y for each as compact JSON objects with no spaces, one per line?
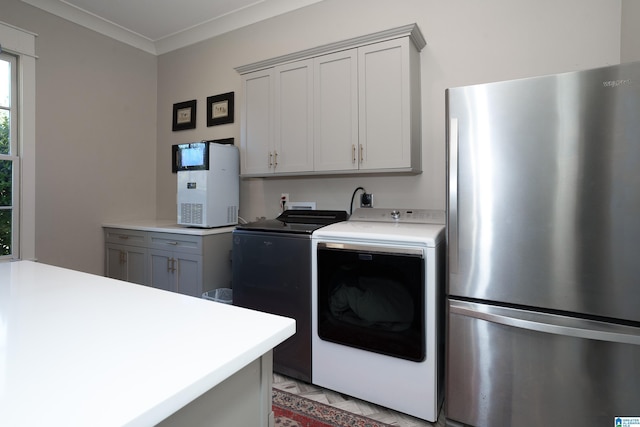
{"x":177,"y":272}
{"x":128,"y":263}
{"x":126,"y":255}
{"x":184,"y":263}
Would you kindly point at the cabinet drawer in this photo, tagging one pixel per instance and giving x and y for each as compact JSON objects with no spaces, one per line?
{"x":176,"y":242}
{"x":125,"y":237}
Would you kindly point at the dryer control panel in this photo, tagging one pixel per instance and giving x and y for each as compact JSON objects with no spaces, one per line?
{"x":411,"y":216}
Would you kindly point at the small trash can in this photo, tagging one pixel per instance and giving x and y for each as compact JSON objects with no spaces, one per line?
{"x":223,"y":295}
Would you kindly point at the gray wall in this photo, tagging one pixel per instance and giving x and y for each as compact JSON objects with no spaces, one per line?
{"x":95,"y":136}
{"x":467,"y":42}
{"x":630,"y":33}
{"x":104,"y":108}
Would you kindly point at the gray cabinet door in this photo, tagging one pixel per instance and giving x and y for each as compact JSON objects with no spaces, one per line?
{"x":336,"y":111}
{"x":136,"y":265}
{"x":188,"y":274}
{"x":162,"y":266}
{"x":176,"y":271}
{"x":388,"y":106}
{"x":293,"y":121}
{"x":256,"y":138}
{"x":126,"y":263}
{"x":115,"y":269}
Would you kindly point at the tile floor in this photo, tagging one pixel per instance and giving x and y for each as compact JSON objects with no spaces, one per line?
{"x":350,"y":404}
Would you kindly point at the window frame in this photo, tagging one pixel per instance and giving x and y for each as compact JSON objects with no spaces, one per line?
{"x":21,"y":43}
{"x":12,"y":156}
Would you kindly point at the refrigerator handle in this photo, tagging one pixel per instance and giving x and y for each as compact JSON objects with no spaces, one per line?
{"x":546,"y":323}
{"x":453,"y":195}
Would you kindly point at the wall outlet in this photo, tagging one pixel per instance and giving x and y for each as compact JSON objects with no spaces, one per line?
{"x":366,"y":200}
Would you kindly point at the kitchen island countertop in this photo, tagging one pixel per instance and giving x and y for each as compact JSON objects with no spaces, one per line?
{"x":78,"y":349}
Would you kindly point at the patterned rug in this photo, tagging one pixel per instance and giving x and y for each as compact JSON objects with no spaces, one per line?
{"x":291,"y":410}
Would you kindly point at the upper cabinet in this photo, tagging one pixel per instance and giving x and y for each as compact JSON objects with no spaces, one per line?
{"x":277,"y":120}
{"x":293,"y":117}
{"x":256,"y":132}
{"x":336,"y":111}
{"x":343,"y":108}
{"x":389,"y":125}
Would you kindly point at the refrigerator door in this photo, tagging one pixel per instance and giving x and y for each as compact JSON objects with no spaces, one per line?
{"x":509,"y":367}
{"x":543,"y":202}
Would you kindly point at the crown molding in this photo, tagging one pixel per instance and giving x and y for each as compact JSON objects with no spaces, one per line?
{"x":92,"y":22}
{"x":237,"y":19}
{"x":412,"y":31}
{"x":240,"y":18}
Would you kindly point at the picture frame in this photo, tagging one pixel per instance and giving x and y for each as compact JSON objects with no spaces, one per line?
{"x":220,"y":109}
{"x":184,"y":115}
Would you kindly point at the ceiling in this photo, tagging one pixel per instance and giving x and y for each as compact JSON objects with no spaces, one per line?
{"x":160,"y":26}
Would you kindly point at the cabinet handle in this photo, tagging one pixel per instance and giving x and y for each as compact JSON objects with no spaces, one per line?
{"x":353,"y":153}
{"x":270,"y":159}
{"x":123,"y":237}
{"x":168,"y":265}
{"x":275,"y":156}
{"x":361,"y":153}
{"x":123,"y":257}
{"x":172,"y":243}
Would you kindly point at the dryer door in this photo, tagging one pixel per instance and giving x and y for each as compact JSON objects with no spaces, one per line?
{"x":372,"y":298}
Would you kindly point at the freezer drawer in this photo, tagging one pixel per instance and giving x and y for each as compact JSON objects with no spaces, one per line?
{"x":511,"y":367}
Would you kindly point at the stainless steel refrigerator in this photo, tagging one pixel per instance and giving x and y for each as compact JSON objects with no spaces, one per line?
{"x":543,"y":303}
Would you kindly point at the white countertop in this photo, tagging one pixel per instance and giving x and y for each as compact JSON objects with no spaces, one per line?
{"x":166,"y":226}
{"x":84,"y":350}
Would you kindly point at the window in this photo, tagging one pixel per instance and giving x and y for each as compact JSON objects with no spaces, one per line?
{"x":8,"y":159}
{"x":18,"y":154}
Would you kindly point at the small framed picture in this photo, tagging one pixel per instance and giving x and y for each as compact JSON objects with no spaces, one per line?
{"x":184,"y":115}
{"x":220,"y":109}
